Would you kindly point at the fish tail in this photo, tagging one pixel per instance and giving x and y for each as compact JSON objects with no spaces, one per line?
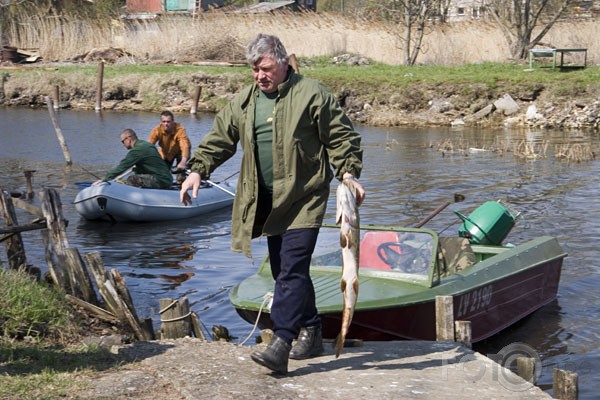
{"x":339,"y":345}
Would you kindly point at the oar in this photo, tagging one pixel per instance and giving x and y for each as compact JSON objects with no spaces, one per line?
{"x":220,"y":187}
{"x":457,"y":197}
{"x":89,"y":172}
{"x":87,"y":184}
{"x":229,"y":192}
{"x":433,"y":214}
{"x":120,"y":176}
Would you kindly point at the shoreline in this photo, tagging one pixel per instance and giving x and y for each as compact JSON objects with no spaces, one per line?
{"x":419,"y":104}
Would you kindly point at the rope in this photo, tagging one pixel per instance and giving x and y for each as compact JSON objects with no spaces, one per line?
{"x":208,"y":334}
{"x":266,"y":298}
{"x":177,"y":318}
{"x":169,"y":306}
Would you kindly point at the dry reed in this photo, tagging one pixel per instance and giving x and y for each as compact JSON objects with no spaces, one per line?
{"x":531,"y":151}
{"x":526,"y":150}
{"x":218,"y":35}
{"x":575,"y":152}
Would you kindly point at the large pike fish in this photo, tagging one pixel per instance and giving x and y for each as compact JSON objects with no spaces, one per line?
{"x":347,"y":217}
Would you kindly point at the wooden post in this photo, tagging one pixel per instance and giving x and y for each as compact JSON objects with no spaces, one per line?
{"x":59,"y":135}
{"x":28,"y":179}
{"x":197,"y":328}
{"x":294,"y":63}
{"x":15,"y":251}
{"x":444,"y":318}
{"x":54,"y":261}
{"x":146,"y":324}
{"x":55,"y":238}
{"x":266,"y":335}
{"x":526,"y":368}
{"x":462,"y":332}
{"x":175,"y":321}
{"x":3,"y":79}
{"x":57,"y":224}
{"x":565,"y":385}
{"x":56,"y":97}
{"x":99,"y":86}
{"x":196,"y":99}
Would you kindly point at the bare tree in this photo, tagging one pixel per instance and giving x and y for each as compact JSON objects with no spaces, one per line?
{"x":2,"y":24}
{"x":413,"y":17}
{"x":443,"y":10}
{"x":519,"y":18}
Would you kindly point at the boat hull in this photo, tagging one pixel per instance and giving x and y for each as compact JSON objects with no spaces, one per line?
{"x":493,"y":294}
{"x":117,"y":202}
{"x":490,"y":309}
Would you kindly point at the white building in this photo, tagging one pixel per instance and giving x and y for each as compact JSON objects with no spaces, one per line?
{"x":461,"y":10}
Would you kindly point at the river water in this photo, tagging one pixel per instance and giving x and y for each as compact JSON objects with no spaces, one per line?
{"x":406,"y":177}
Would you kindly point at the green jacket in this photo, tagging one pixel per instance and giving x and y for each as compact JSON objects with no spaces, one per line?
{"x":311,"y":134}
{"x":144,"y":157}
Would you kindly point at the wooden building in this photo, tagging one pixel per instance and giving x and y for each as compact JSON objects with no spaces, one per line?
{"x":157,"y":7}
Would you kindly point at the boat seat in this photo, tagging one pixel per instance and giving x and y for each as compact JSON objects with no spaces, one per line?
{"x":455,"y":254}
{"x":368,"y":256}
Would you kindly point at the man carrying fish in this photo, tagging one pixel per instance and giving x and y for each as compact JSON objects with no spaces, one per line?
{"x":295,"y":139}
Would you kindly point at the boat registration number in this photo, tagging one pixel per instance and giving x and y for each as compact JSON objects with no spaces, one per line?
{"x":474,"y":301}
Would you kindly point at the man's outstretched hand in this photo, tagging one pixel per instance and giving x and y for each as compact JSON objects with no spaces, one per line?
{"x":191,"y":182}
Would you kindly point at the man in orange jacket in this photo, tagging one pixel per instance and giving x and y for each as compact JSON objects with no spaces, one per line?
{"x":173,"y":142}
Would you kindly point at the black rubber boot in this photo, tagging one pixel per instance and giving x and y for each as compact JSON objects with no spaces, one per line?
{"x":309,"y":343}
{"x":275,"y":356}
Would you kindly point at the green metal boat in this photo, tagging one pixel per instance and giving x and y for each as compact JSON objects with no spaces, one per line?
{"x":402,"y":270}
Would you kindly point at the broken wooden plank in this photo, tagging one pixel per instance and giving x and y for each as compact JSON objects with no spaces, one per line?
{"x":99,"y":312}
{"x":11,"y":230}
{"x":30,"y":208}
{"x":120,"y":306}
{"x":81,"y":283}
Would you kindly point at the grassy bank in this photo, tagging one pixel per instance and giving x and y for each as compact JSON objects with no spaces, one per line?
{"x":40,"y":350}
{"x":375,"y":94}
{"x":465,"y":65}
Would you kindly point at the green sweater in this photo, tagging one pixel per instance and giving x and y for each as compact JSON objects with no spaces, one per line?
{"x":145,"y":159}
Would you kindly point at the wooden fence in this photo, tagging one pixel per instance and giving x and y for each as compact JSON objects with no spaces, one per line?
{"x":81,"y":278}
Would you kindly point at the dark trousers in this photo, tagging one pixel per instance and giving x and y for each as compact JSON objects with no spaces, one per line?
{"x":177,"y":159}
{"x":294,"y":297}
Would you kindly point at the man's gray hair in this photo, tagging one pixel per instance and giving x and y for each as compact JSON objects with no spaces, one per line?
{"x":266,"y":45}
